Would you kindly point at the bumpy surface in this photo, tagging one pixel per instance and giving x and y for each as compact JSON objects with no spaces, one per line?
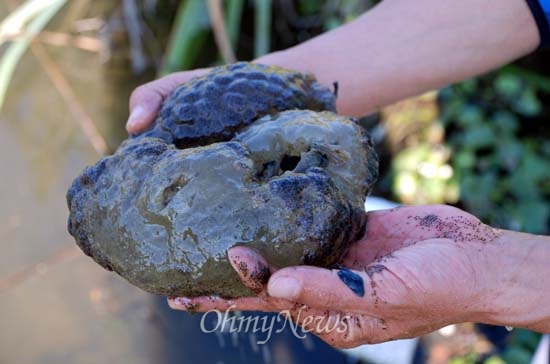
{"x":213,"y":107}
{"x":291,"y":185}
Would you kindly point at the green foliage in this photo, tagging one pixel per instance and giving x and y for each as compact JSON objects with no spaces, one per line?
{"x":470,"y":358}
{"x":420,"y":162}
{"x":500,"y":158}
{"x":344,"y":11}
{"x":521,"y":346}
{"x":422,"y":175}
{"x":494,"y":360}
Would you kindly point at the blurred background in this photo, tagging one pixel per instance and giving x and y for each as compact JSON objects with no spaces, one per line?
{"x":67,"y":68}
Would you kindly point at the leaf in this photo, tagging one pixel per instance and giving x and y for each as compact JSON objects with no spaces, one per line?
{"x":508,"y":85}
{"x":505,"y":122}
{"x":470,"y":115}
{"x":189,"y":32}
{"x":540,"y":82}
{"x":533,"y":216}
{"x":464,"y":159}
{"x":528,"y":104}
{"x":15,"y":22}
{"x":509,"y":153}
{"x":15,"y":51}
{"x":479,"y":137}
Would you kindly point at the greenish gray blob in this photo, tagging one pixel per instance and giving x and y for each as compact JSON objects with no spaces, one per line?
{"x":215,"y":106}
{"x":163,"y":218}
{"x":318,"y":139}
{"x":290,"y":185}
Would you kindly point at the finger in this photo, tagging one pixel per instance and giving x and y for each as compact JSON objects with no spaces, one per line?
{"x":206,"y":303}
{"x":251,"y":267}
{"x":345,"y":331}
{"x":340,"y":329}
{"x":323,"y":288}
{"x":254,"y":272}
{"x":145,"y":101}
{"x":203,"y":304}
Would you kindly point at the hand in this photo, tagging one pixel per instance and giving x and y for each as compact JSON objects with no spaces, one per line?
{"x":145,"y":100}
{"x":423,"y":268}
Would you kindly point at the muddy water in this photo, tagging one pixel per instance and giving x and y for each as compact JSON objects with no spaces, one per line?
{"x":57,"y":305}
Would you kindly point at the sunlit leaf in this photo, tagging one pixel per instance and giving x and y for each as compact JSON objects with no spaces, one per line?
{"x":15,"y":50}
{"x":189,"y":32}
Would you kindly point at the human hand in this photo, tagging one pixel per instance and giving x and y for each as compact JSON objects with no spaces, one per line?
{"x":423,"y":268}
{"x":146,"y":99}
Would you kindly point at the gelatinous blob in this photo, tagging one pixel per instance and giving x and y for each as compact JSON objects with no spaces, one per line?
{"x":213,"y":107}
{"x":290,"y":185}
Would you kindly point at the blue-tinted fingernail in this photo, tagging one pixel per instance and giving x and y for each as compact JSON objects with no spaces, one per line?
{"x":353,"y":280}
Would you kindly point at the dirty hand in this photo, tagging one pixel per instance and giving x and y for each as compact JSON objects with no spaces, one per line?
{"x":420,"y":268}
{"x":145,"y":101}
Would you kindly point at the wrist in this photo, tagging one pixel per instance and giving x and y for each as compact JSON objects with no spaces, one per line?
{"x":518,"y":282}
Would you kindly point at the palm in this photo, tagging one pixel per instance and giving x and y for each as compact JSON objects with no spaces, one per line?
{"x":409,"y":254}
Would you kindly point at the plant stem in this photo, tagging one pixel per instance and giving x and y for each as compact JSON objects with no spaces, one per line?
{"x":233,"y":20}
{"x":188,"y":35}
{"x":262,"y":27}
{"x":215,"y":12}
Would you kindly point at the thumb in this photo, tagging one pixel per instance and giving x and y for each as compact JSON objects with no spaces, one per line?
{"x":146,"y":99}
{"x":336,"y":289}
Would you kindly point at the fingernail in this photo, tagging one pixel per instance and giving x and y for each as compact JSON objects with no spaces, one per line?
{"x":234,"y":258}
{"x":135,"y":117}
{"x":284,"y":287}
{"x":182,"y":301}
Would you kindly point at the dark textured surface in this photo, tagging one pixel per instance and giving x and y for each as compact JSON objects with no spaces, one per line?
{"x":213,"y":107}
{"x":291,"y":185}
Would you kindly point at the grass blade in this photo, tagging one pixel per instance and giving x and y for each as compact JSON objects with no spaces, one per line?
{"x":189,"y":32}
{"x":234,"y":11}
{"x":262,"y":27}
{"x":15,"y":51}
{"x":14,"y":23}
